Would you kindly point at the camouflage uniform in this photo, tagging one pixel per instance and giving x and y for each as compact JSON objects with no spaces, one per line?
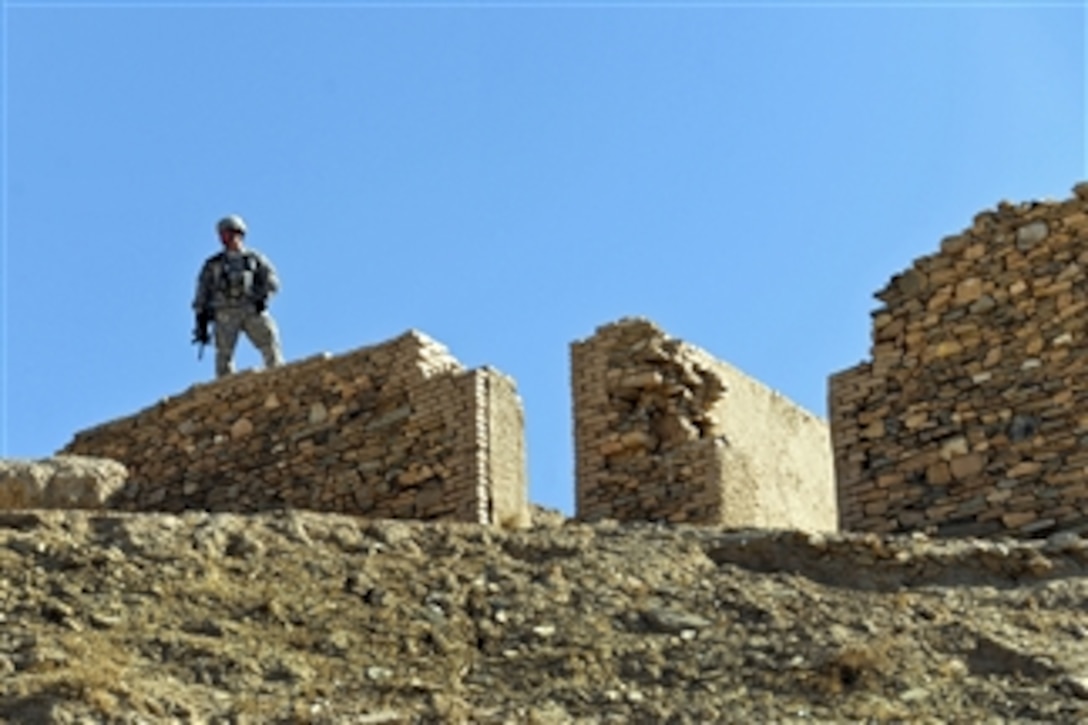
{"x":233,"y":290}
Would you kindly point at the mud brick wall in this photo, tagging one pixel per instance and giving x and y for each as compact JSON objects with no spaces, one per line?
{"x":971,"y":418}
{"x":396,"y":430}
{"x":663,"y":431}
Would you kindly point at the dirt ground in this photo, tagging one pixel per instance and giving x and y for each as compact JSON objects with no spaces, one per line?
{"x":294,"y":617}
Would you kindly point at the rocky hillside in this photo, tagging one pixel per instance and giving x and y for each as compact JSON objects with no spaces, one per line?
{"x":297,"y":617}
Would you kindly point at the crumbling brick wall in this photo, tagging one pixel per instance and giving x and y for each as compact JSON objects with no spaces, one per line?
{"x":971,"y":417}
{"x":396,"y":430}
{"x":663,"y":431}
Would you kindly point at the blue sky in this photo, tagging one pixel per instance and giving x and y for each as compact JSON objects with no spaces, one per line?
{"x":504,"y":177}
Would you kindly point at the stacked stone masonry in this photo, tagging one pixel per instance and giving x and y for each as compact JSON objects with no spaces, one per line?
{"x":665,"y":432}
{"x":972,"y":416}
{"x":396,"y":430}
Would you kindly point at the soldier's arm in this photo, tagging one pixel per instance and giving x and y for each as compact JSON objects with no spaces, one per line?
{"x":202,"y":298}
{"x":271,"y":279}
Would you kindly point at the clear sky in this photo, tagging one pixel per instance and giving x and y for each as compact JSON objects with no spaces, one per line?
{"x":503,"y":176}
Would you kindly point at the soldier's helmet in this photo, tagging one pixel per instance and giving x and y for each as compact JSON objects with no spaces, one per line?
{"x":232,"y":223}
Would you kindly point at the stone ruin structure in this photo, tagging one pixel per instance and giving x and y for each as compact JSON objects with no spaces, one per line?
{"x":971,"y":418}
{"x":396,"y":430}
{"x":665,"y":432}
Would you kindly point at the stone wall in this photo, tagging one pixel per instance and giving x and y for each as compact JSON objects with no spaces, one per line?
{"x":972,"y":416}
{"x":663,"y":431}
{"x":396,"y":430}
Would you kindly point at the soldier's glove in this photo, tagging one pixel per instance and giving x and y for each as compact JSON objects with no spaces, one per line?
{"x":200,"y":332}
{"x":261,"y":305}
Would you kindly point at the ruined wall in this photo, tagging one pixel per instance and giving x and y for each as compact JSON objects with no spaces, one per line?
{"x":972,"y":416}
{"x":396,"y":430}
{"x":663,"y":431}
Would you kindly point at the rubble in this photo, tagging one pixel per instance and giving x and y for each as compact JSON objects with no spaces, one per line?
{"x":291,"y":616}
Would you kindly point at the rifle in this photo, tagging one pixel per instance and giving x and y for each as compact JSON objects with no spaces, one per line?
{"x":200,"y":332}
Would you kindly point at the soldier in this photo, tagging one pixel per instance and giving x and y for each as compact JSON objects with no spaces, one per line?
{"x":232,"y":291}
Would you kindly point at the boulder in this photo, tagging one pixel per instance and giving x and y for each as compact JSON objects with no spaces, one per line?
{"x":61,"y":482}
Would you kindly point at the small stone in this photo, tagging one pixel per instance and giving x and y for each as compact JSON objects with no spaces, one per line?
{"x":1031,"y":234}
{"x":954,"y":447}
{"x":1038,"y":525}
{"x":1023,"y":427}
{"x":967,"y":466}
{"x":914,"y":694}
{"x":1063,"y":540}
{"x":983,"y":304}
{"x":104,"y":621}
{"x":938,"y":474}
{"x":318,"y":413}
{"x":954,"y":244}
{"x":968,"y":290}
{"x":637,"y":439}
{"x":376,"y":674}
{"x":673,"y":622}
{"x":910,"y":282}
{"x":241,"y":428}
{"x":874,"y":430}
{"x":1078,"y":685}
{"x":1040,"y":565}
{"x":947,"y":348}
{"x":1015,"y":520}
{"x":650,"y":379}
{"x":544,"y":630}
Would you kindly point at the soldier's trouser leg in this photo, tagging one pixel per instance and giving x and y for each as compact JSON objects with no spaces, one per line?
{"x":227,"y":326}
{"x":261,"y":329}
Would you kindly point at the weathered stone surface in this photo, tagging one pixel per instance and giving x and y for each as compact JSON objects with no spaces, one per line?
{"x":398,"y":430}
{"x":978,"y":380}
{"x":665,"y":432}
{"x":78,"y":482}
